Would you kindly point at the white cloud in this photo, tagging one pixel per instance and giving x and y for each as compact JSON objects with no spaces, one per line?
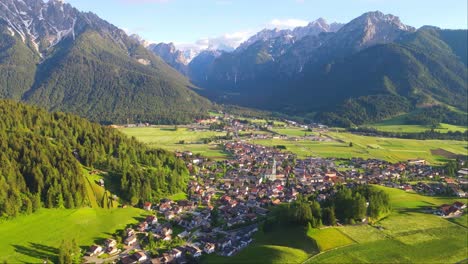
{"x":287,"y":23}
{"x":234,"y":39}
{"x":225,"y":42}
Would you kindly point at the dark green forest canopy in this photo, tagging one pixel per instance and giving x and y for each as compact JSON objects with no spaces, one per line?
{"x":42,"y":157}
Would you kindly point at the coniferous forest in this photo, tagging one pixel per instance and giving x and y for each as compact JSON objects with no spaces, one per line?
{"x":42,"y":157}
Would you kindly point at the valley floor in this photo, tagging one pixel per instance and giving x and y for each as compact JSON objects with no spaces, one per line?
{"x":36,"y":237}
{"x":406,"y":235}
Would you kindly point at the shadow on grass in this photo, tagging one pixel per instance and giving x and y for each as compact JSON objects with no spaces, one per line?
{"x":38,"y":251}
{"x":426,"y":209}
{"x":139,"y":219}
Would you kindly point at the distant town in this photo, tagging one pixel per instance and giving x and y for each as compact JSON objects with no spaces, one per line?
{"x":227,"y":201}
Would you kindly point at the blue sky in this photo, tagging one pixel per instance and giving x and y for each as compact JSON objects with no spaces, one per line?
{"x":200,"y":22}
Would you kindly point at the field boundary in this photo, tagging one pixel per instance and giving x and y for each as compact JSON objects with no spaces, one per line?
{"x":326,"y":251}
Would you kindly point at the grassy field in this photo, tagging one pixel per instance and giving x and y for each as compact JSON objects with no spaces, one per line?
{"x":97,"y":196}
{"x":262,"y":121}
{"x":389,"y":127}
{"x":391,"y":149}
{"x":292,"y":131}
{"x":178,"y":196}
{"x":328,"y":238}
{"x":397,"y":124}
{"x":463,"y":220}
{"x":407,"y":235}
{"x":167,"y":137}
{"x":402,"y":200}
{"x":35,"y":237}
{"x":284,"y":245}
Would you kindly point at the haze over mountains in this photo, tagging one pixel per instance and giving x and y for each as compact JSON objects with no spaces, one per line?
{"x":372,"y":68}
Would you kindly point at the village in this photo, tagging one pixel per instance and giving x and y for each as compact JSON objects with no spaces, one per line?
{"x":228,"y":200}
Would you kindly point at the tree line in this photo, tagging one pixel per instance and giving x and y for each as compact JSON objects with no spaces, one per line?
{"x":42,"y":157}
{"x":344,"y":205}
{"x":428,"y":134}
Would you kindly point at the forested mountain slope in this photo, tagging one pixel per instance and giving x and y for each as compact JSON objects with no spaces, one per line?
{"x":42,"y":157}
{"x":373,"y":68}
{"x":57,"y":57}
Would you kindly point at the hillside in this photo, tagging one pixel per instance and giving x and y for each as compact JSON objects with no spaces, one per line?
{"x":371,"y":69}
{"x":407,"y":235}
{"x":67,"y":60}
{"x":34,"y":238}
{"x":43,"y":155}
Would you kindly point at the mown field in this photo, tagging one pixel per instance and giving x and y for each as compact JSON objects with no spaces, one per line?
{"x":167,"y":137}
{"x":329,"y":238}
{"x":442,"y":128}
{"x":292,"y":131}
{"x":35,"y":237}
{"x":398,"y":124}
{"x":97,"y":196}
{"x":391,"y":149}
{"x":286,"y":245}
{"x":406,"y":235}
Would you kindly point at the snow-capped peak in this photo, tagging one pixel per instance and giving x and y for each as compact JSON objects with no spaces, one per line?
{"x":313,"y":28}
{"x":35,"y":21}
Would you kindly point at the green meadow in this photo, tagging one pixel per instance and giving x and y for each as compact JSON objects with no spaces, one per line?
{"x":406,"y":235}
{"x":442,"y":128}
{"x":391,"y":149}
{"x":292,"y":131}
{"x":178,"y":196}
{"x":33,"y":238}
{"x":397,"y":124}
{"x":283,"y":245}
{"x":167,"y":137}
{"x":329,"y":238}
{"x":97,"y":196}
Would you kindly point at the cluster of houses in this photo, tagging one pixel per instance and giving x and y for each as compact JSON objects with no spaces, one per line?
{"x":109,"y":247}
{"x":228,"y":199}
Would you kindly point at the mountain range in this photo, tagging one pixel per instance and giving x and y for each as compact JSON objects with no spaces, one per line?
{"x":375,"y":65}
{"x":372,"y":68}
{"x":57,"y":57}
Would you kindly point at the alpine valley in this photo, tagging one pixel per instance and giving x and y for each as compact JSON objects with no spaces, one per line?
{"x":319,"y":143}
{"x":370,"y":69}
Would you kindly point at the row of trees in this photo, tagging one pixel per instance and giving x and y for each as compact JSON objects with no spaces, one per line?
{"x":69,"y":252}
{"x":42,"y":155}
{"x":429,"y":134}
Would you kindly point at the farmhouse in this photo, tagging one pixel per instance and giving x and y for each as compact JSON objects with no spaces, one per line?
{"x":94,"y":250}
{"x":131,"y":240}
{"x":147,"y":206}
{"x":110,"y":243}
{"x":448,"y":210}
{"x":209,"y":248}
